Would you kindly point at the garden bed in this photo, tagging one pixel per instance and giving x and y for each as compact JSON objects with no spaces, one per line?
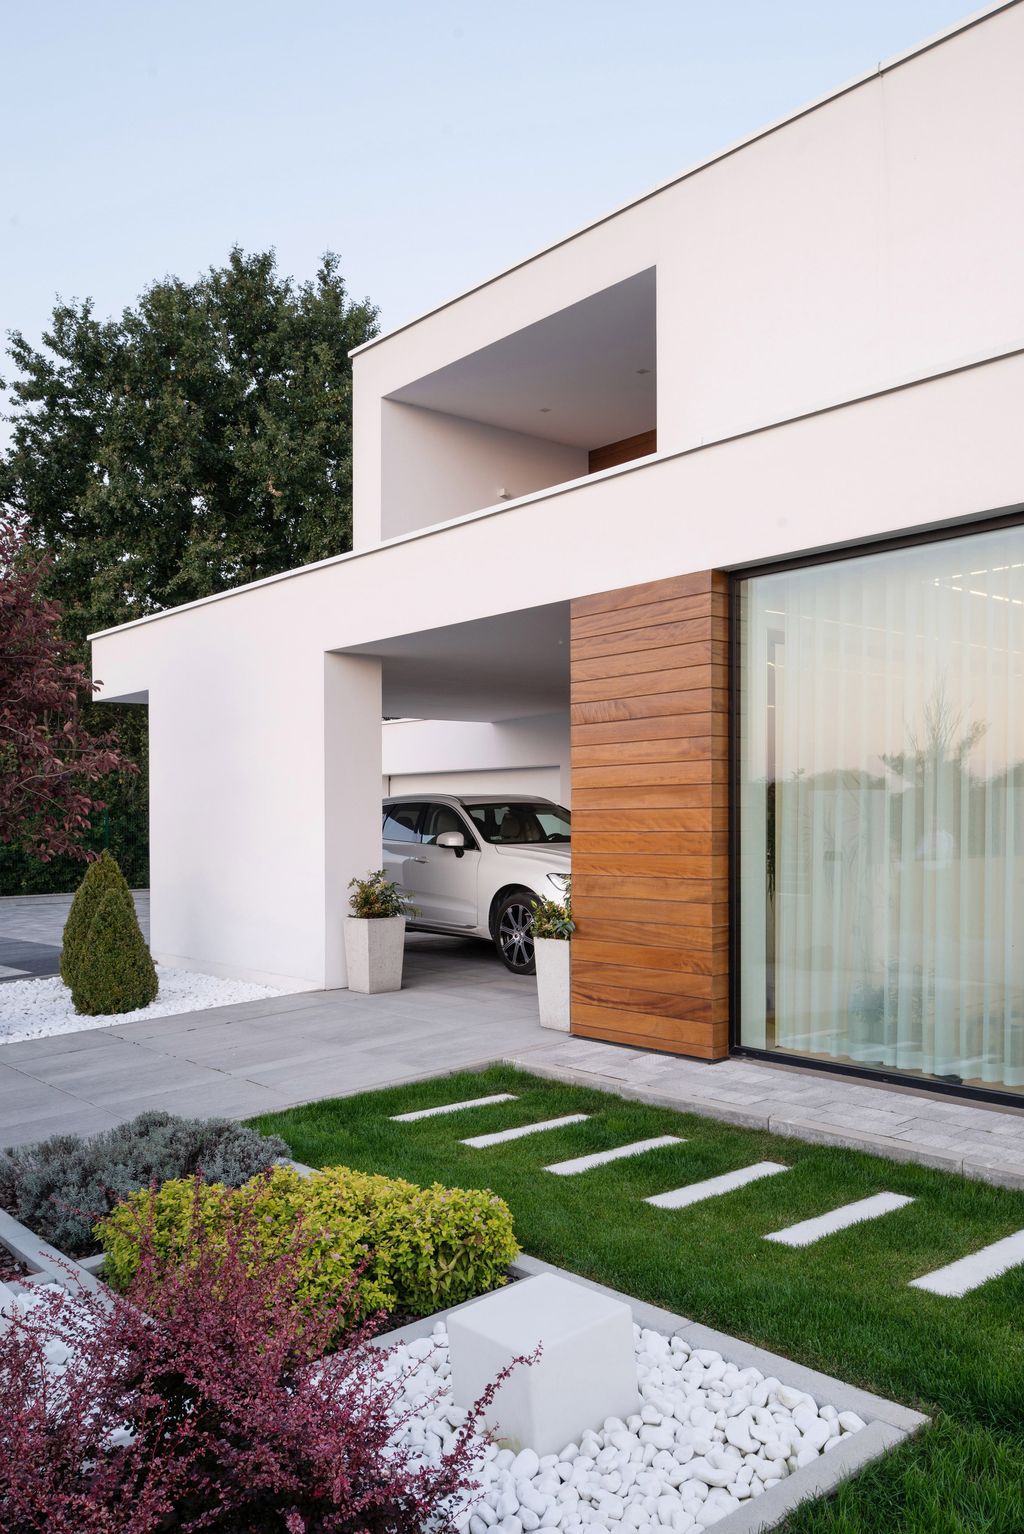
{"x":705,"y":1459}
{"x":843,"y":1305}
{"x":702,"y":1395}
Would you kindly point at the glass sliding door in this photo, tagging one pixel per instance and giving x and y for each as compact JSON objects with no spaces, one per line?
{"x":881,"y":813}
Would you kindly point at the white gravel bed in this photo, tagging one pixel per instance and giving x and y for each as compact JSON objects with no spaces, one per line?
{"x":709,"y":1436}
{"x":34,"y":1009}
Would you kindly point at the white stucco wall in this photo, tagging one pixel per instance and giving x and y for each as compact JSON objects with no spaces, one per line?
{"x":437,"y":466}
{"x":861,"y":262}
{"x":871,"y":239}
{"x":447,"y":756}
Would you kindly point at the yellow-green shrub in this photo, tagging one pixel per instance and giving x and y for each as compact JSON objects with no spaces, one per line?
{"x":423,"y":1248}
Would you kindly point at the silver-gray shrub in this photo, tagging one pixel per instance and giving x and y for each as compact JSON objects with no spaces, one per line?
{"x":61,"y":1186}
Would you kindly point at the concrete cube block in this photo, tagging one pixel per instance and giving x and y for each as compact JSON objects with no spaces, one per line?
{"x":586,"y":1371}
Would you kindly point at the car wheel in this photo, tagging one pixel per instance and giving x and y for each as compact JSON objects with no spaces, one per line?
{"x":513,"y":932}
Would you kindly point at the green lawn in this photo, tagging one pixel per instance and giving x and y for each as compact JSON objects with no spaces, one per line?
{"x":841,"y":1305}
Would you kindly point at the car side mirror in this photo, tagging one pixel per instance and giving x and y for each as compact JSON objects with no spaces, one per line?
{"x":453,"y":839}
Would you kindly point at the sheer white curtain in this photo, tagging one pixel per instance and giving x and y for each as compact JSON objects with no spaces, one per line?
{"x":882,"y":809}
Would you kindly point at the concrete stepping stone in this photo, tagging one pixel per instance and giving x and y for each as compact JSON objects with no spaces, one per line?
{"x":480,"y":1142}
{"x":601,"y":1158}
{"x":969,"y":1273}
{"x":471,"y":1102}
{"x":808,"y":1231}
{"x":696,"y":1192}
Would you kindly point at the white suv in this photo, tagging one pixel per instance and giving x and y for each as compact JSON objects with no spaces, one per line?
{"x":474,"y":866}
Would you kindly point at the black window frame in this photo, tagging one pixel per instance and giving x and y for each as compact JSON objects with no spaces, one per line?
{"x":985,"y":522}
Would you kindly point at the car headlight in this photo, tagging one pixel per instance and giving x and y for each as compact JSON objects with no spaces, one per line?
{"x":560,"y":881}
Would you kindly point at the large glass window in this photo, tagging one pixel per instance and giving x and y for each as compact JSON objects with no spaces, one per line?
{"x":881,"y":847}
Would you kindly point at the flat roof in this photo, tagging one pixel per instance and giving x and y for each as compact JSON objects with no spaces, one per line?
{"x":883,"y":67}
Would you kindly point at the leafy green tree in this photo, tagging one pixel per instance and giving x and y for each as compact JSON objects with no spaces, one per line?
{"x":201,"y":440}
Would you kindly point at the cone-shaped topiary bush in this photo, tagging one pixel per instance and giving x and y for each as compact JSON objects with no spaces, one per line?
{"x":100,"y":876}
{"x":114,"y":971}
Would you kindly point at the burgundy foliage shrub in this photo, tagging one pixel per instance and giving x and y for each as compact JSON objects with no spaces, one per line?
{"x":205,"y":1400}
{"x":48,"y":759}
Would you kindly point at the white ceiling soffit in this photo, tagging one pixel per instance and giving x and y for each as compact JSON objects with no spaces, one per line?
{"x":584,"y":376}
{"x":504,"y":667}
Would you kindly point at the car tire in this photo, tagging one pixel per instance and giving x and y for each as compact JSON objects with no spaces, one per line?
{"x":513,"y":936}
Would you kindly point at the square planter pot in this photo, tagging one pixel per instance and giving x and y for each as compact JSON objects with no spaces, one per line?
{"x":374,"y":949}
{"x":553,"y":957}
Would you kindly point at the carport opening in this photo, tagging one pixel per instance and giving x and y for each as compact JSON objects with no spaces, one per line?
{"x":476,"y":726}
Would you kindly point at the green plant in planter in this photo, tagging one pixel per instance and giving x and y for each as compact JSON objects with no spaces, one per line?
{"x":553,"y":918}
{"x":377,"y":896}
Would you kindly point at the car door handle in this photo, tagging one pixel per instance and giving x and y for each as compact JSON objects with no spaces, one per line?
{"x":417,"y":860}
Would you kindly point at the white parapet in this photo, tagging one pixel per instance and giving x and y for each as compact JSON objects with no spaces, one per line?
{"x":586,"y":1371}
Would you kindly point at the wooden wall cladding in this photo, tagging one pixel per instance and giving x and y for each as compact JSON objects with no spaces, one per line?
{"x":623,"y":451}
{"x":650,"y":784}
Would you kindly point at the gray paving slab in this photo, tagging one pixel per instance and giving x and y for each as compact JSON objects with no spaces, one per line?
{"x":41,"y":918}
{"x":979,"y":1140}
{"x":273,"y":1053}
{"x":459,"y":1008}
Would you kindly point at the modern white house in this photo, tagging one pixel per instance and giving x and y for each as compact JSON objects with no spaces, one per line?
{"x":707,"y":519}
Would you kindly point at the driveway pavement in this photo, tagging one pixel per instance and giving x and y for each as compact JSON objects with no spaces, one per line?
{"x":458,"y":1006}
{"x":31,"y":928}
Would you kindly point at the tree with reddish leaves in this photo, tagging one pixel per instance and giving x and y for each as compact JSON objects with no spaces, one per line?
{"x":49,"y":761}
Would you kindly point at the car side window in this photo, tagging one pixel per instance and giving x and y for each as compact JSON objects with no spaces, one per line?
{"x":401,"y":822}
{"x":440,"y":818}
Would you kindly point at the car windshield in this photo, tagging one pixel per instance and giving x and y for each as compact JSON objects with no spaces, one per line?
{"x":521,"y":821}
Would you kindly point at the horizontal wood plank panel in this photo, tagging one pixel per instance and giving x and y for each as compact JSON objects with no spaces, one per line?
{"x":673,"y":982}
{"x":656,"y":728}
{"x":650,"y":957}
{"x":649,"y":724}
{"x":690,"y":748}
{"x":669,"y":796}
{"x":641,"y":1030}
{"x":642,"y":617}
{"x":689,"y":843}
{"x":643,"y":774}
{"x":649,"y":932}
{"x":647,"y":659}
{"x":673,"y":588}
{"x":679,"y":892}
{"x":623,"y":998}
{"x":702,"y":867}
{"x":643,"y":683}
{"x":650,"y":915}
{"x":614,"y":821}
{"x":700,"y":701}
{"x":650,"y":637}
{"x":624,"y":451}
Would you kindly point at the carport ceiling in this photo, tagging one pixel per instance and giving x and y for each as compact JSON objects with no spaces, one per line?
{"x":503,"y":667}
{"x":585,"y":376}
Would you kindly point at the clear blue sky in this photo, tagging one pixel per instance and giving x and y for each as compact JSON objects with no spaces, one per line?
{"x":428,"y":143}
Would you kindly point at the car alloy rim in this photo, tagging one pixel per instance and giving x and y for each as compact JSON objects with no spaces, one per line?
{"x":516,"y":936}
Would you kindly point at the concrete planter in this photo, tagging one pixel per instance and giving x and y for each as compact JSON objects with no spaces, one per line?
{"x":374,"y":949}
{"x":553,"y":959}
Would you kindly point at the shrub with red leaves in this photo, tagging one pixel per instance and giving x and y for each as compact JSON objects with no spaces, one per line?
{"x":48,"y":759}
{"x":205,"y":1400}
